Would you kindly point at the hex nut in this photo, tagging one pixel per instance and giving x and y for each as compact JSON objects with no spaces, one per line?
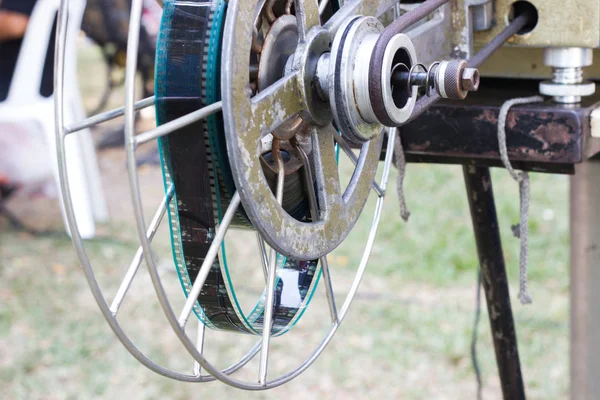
{"x":469,"y":80}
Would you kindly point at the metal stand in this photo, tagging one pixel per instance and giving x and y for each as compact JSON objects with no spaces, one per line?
{"x":541,"y":137}
{"x":495,"y":283}
{"x":585,"y":281}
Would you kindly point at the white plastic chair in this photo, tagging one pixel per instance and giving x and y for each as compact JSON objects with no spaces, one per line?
{"x":25,"y":104}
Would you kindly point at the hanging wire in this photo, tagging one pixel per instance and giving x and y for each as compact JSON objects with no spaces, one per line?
{"x":474,"y":358}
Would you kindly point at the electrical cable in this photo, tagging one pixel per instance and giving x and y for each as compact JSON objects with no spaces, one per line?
{"x":474,"y":358}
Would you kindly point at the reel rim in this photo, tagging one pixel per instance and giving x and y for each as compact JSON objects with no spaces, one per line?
{"x":145,"y":232}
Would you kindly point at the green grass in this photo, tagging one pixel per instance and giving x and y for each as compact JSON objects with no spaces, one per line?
{"x":407,"y":335}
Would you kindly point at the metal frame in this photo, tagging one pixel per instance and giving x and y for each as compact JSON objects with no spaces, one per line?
{"x":495,"y":282}
{"x":545,"y":137}
{"x":146,"y":232}
{"x":585,"y":278}
{"x":531,"y":146}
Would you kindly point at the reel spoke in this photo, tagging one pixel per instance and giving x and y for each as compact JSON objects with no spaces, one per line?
{"x":268,"y":321}
{"x":325,"y":164}
{"x":108,"y":115}
{"x":389,"y":152}
{"x":348,"y":151}
{"x":137,"y":259}
{"x":329,"y":290}
{"x":307,"y":15}
{"x":178,"y":123}
{"x":314,"y":211}
{"x":274,"y":105}
{"x":209,"y":260}
{"x":322,"y":6}
{"x":200,"y":346}
{"x":263,"y":255}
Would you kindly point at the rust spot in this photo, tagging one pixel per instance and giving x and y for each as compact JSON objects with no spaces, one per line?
{"x":549,"y":136}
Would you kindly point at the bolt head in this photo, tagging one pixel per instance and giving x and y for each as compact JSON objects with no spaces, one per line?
{"x":470,"y":79}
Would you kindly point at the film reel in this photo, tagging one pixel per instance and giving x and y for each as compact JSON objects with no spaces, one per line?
{"x":293,"y":141}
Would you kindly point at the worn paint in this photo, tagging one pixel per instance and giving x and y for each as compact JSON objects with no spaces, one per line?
{"x":246,"y":120}
{"x":543,"y":134}
{"x":494,"y":280}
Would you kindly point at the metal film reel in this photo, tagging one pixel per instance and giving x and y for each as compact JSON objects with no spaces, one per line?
{"x":262,"y":147}
{"x":266,"y":111}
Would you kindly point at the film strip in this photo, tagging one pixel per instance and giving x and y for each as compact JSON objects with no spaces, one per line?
{"x":194,"y":160}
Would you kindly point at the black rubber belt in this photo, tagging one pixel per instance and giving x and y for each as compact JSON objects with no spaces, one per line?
{"x":396,"y":27}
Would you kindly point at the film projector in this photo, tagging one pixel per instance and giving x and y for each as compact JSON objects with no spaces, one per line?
{"x":256,"y":102}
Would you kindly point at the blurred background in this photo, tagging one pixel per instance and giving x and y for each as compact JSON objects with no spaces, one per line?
{"x":408,"y":333}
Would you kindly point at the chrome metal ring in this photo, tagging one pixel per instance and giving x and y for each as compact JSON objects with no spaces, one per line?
{"x":398,"y":115}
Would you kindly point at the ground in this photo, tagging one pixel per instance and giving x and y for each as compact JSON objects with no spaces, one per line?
{"x":407,"y":335}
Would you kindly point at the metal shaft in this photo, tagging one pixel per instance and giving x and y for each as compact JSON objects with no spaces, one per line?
{"x":271,"y":277}
{"x":478,"y":59}
{"x":416,"y":78}
{"x":567,"y":85}
{"x":495,"y":282}
{"x":314,"y":213}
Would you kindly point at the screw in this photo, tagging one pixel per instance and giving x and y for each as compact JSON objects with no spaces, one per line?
{"x":469,"y":80}
{"x":452,"y":79}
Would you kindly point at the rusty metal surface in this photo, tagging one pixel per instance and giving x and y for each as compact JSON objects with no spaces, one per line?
{"x":543,"y":137}
{"x":495,"y":283}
